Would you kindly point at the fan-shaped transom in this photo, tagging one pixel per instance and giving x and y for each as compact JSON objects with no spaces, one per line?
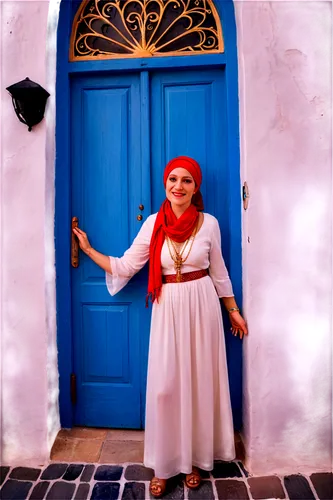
{"x":144,"y":28}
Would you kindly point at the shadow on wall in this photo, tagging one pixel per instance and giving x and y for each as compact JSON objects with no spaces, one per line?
{"x":53,"y":417}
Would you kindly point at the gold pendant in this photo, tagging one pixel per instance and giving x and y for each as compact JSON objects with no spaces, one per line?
{"x":178,"y":265}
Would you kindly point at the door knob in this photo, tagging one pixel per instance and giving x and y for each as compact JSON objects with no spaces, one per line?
{"x":141,"y":207}
{"x":74,"y":244}
{"x":139,"y":217}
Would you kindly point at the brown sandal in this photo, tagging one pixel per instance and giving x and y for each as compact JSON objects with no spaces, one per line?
{"x":157,"y":487}
{"x":193,"y":480}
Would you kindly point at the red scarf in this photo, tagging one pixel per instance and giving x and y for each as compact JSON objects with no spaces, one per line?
{"x":167,"y":223}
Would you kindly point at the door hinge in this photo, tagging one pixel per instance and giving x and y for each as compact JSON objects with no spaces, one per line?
{"x":246,"y":195}
{"x":73,"y":389}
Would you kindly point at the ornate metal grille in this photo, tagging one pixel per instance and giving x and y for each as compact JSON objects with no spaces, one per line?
{"x":105,"y":29}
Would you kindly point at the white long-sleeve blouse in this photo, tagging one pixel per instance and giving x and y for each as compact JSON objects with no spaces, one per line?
{"x":205,"y":254}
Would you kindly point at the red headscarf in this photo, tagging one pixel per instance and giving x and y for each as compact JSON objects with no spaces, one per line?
{"x":167,"y":223}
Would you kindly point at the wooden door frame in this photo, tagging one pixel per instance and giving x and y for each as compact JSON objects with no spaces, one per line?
{"x":65,"y":72}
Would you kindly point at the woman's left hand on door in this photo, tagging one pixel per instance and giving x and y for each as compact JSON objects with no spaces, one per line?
{"x":238,"y":324}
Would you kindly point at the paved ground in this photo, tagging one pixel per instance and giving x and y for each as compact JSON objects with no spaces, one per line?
{"x":104,"y":446}
{"x":228,"y":481}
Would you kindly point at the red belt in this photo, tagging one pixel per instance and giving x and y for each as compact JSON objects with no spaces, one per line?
{"x":193,"y":275}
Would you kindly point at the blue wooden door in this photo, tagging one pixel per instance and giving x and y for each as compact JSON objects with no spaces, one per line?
{"x":112,"y":137}
{"x":189,"y":117}
{"x":106,"y":192}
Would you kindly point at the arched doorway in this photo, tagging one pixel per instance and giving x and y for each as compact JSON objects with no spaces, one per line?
{"x":142,"y":84}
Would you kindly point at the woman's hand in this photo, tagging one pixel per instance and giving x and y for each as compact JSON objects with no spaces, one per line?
{"x":100,"y":259}
{"x":83,"y":240}
{"x":238,"y":325}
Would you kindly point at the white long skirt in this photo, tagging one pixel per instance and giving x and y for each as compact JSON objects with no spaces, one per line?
{"x":188,"y":411}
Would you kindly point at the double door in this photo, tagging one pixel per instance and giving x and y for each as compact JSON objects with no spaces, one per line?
{"x":124,"y":129}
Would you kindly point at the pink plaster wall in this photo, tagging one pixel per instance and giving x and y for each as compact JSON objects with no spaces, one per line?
{"x":285,"y":53}
{"x":26,"y":411}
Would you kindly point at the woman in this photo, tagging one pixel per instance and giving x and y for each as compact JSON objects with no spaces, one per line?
{"x":188,"y":412}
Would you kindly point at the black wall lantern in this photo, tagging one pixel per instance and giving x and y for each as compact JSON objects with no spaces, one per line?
{"x":29,"y":101}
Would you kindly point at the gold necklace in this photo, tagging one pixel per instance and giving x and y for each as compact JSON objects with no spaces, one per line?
{"x":177,"y":256}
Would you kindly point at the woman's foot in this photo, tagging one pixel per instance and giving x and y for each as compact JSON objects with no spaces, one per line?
{"x":157,"y":487}
{"x":193,"y":480}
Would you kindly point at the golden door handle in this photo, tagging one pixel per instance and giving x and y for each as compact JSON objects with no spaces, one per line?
{"x":75,"y":244}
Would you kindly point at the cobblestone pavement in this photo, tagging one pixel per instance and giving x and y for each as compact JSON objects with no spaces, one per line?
{"x":228,"y":481}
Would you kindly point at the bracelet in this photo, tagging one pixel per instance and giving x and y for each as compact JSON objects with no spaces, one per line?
{"x":233,"y":309}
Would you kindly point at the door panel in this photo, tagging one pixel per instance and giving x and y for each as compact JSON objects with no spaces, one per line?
{"x":189,"y":118}
{"x":112,"y":340}
{"x":106,"y":174}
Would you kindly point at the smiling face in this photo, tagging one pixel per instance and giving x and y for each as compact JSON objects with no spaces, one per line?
{"x":180,"y":187}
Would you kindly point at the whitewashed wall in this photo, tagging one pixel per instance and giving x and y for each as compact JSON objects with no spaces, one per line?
{"x":29,"y":398}
{"x":285,"y":53}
